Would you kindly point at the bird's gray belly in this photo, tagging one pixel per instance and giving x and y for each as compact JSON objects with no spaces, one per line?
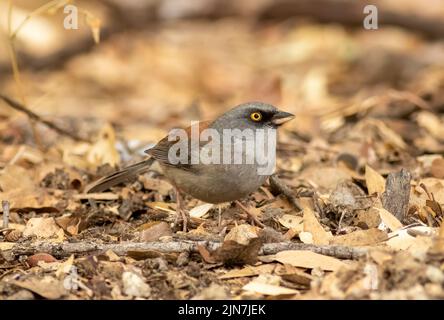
{"x":217,"y":183}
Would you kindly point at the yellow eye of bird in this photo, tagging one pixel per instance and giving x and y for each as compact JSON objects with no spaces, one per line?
{"x":256,"y":116}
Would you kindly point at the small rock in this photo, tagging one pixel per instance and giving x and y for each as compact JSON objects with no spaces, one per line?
{"x":34,"y":260}
{"x":434,"y":274}
{"x":135,"y":286}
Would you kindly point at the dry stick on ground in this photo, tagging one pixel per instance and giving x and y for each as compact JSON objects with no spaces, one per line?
{"x":19,"y":107}
{"x":279,"y":186}
{"x":395,"y":198}
{"x":67,"y":249}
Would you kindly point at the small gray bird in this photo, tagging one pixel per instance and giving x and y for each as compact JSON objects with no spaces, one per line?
{"x":213,"y":181}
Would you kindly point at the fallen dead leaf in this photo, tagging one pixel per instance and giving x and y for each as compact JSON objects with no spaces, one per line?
{"x":249,"y":271}
{"x":65,"y":267}
{"x":401,"y":240}
{"x":292,"y":222}
{"x":268,"y":289}
{"x":44,"y":228}
{"x":168,"y":207}
{"x":374,"y":181}
{"x":242,"y":234}
{"x":308,"y":259}
{"x":47,"y":287}
{"x":6,"y":246}
{"x":327,"y":178}
{"x":233,"y":253}
{"x":155,"y":230}
{"x":200,"y":211}
{"x":388,"y":219}
{"x":380,"y":257}
{"x":96,"y":196}
{"x":360,"y":238}
{"x":312,"y":225}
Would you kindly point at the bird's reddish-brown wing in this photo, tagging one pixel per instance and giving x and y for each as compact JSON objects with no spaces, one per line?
{"x":161,"y":149}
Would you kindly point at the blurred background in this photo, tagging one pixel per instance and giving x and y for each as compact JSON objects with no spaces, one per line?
{"x":162,"y":63}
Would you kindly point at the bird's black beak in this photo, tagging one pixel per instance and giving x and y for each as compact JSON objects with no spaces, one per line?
{"x":281,"y":117}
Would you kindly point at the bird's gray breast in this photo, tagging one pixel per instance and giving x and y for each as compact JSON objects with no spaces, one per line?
{"x":237,"y":173}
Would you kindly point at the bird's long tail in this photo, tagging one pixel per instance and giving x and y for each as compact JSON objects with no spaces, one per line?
{"x":125,"y":175}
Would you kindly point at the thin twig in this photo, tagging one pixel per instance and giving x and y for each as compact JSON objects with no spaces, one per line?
{"x":278,"y":185}
{"x":250,"y":214}
{"x":67,"y":248}
{"x":19,"y":107}
{"x":5,"y":207}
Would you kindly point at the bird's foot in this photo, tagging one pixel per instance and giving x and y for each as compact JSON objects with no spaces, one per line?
{"x":182,"y":217}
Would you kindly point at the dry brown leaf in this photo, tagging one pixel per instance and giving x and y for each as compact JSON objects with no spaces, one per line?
{"x":388,"y":219}
{"x":325,"y":177}
{"x":168,"y":207}
{"x":200,"y":211}
{"x":388,"y":135}
{"x":366,"y":219}
{"x":292,"y":222}
{"x":268,"y":289}
{"x":96,"y":196}
{"x":154,"y":231}
{"x":65,"y":267}
{"x":312,"y":225}
{"x":360,"y":238}
{"x":70,"y":224}
{"x":308,"y":259}
{"x":16,"y":177}
{"x":434,"y":186}
{"x":431,"y":123}
{"x":242,"y":234}
{"x":6,"y":246}
{"x":380,"y":257}
{"x":112,"y":256}
{"x":401,"y":240}
{"x":22,"y":192}
{"x":47,"y":287}
{"x":374,"y":181}
{"x":248,"y":271}
{"x":293,"y":274}
{"x":44,"y":228}
{"x":233,"y":253}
